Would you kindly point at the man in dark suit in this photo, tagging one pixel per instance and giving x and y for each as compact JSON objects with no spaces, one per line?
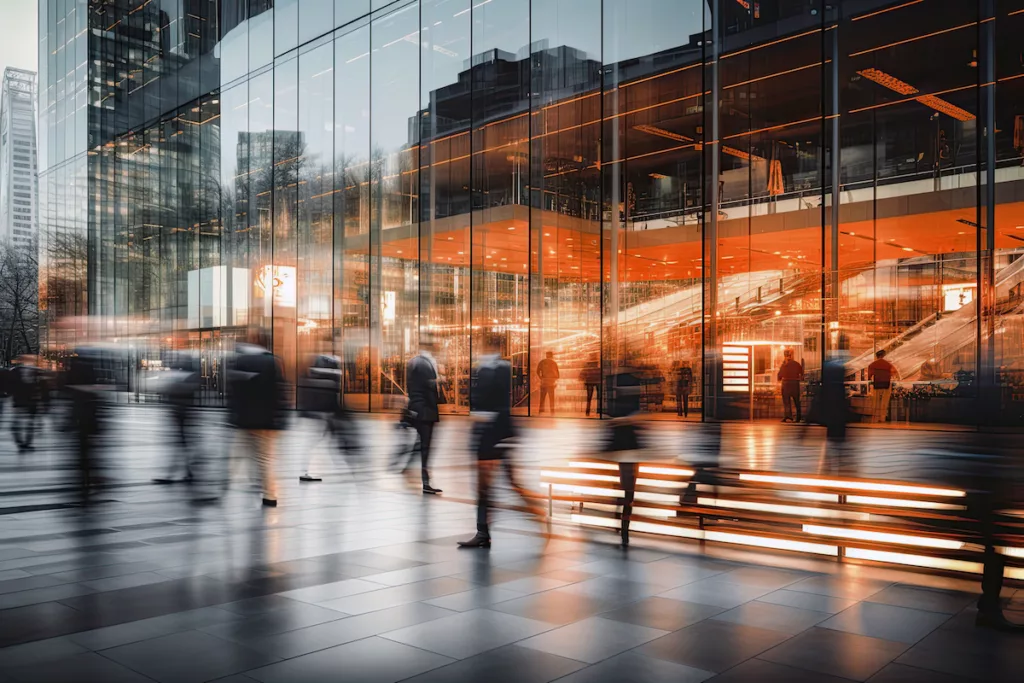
{"x":421,"y":381}
{"x":491,"y":404}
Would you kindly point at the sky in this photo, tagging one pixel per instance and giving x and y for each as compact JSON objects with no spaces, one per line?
{"x":19,"y":46}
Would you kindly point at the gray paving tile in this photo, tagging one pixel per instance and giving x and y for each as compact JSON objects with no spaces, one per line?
{"x":836,"y":653}
{"x":791,"y":620}
{"x":250,"y":629}
{"x":716,"y":592}
{"x":812,"y":601}
{"x":144,"y":629}
{"x":114,"y":583}
{"x":663,"y":613}
{"x":839,"y":587}
{"x":556,"y":607}
{"x":713,"y":645}
{"x":592,"y":640}
{"x":928,"y":599}
{"x":887,"y":622}
{"x":475,"y":598}
{"x":372,"y":660}
{"x":468,"y":633}
{"x":534,"y":584}
{"x":187,"y":657}
{"x":900,"y":673}
{"x":759,"y":671}
{"x":632,"y":667}
{"x":36,"y":596}
{"x":978,"y":654}
{"x":346,"y":630}
{"x":332,"y":591}
{"x":39,"y":651}
{"x":509,"y":664}
{"x":87,"y":667}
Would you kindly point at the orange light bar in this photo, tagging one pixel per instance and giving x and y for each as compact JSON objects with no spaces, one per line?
{"x":904,"y":88}
{"x":782,"y":509}
{"x":661,"y":132}
{"x":890,"y":82}
{"x":915,"y":560}
{"x":881,"y":537}
{"x":941,"y":105}
{"x":853,"y":485}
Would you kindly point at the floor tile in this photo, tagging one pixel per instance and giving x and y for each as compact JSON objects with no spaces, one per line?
{"x":811,"y":601}
{"x":332,"y":591}
{"x":663,"y":613}
{"x":397,"y":595}
{"x":250,"y":629}
{"x":713,"y":645}
{"x":509,"y":664}
{"x":489,"y":575}
{"x":759,"y":671}
{"x":928,"y":599}
{"x":346,"y":630}
{"x":900,"y":673}
{"x":468,"y":633}
{"x":114,"y":583}
{"x":763,"y":577}
{"x":556,"y":607}
{"x":144,"y":629}
{"x":87,"y":667}
{"x":39,"y":651}
{"x":836,"y":653}
{"x":475,"y":598}
{"x":632,"y":667}
{"x":373,"y":660}
{"x":791,"y":620}
{"x":981,"y":654}
{"x":187,"y":657}
{"x":887,"y":622}
{"x":838,"y":587}
{"x":534,"y":584}
{"x":716,"y":592}
{"x":592,"y":640}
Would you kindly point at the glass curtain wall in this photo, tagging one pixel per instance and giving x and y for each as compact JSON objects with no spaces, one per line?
{"x":692,"y":188}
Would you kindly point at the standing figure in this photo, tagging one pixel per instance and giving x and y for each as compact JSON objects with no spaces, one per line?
{"x":82,"y":384}
{"x":180,"y":390}
{"x":492,"y":409}
{"x":590,"y":375}
{"x":791,"y":373}
{"x":684,"y":386}
{"x":547,"y":372}
{"x":256,"y":402}
{"x":421,"y":380}
{"x":26,"y":388}
{"x":880,"y":374}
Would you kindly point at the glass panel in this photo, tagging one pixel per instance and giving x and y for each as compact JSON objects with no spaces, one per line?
{"x":234,"y":42}
{"x":279,"y":280}
{"x":444,"y":189}
{"x":316,"y":17}
{"x":349,"y":10}
{"x":394,"y":183}
{"x":260,"y":162}
{"x":261,"y":33}
{"x":352,"y":212}
{"x":500,"y":183}
{"x":286,"y":25}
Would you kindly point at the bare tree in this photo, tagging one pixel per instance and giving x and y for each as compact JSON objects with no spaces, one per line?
{"x":19,"y":301}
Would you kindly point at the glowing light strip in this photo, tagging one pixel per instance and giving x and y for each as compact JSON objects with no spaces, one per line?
{"x":915,"y":560}
{"x":544,"y":474}
{"x":882,"y":537}
{"x":594,"y":465}
{"x":663,"y":483}
{"x":595,"y":521}
{"x":776,"y":543}
{"x":1012,"y":552}
{"x":1014,"y":573}
{"x":781,"y":509}
{"x":588,"y":490}
{"x":649,"y":469}
{"x":666,"y":498}
{"x":652,"y":512}
{"x":667,"y":530}
{"x":902,"y":503}
{"x":853,"y":485}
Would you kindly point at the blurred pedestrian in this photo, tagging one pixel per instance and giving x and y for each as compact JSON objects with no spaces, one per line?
{"x":880,"y":373}
{"x":179,"y":386}
{"x":835,"y":404}
{"x":548,"y":374}
{"x":684,"y":387}
{"x":256,"y":405}
{"x":86,"y":423}
{"x":590,"y":375}
{"x":491,"y":403}
{"x":791,"y":373}
{"x":320,"y":397}
{"x":25,"y":384}
{"x":422,"y":380}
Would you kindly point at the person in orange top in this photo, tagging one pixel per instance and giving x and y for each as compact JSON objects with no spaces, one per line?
{"x":880,"y":374}
{"x":791,"y":373}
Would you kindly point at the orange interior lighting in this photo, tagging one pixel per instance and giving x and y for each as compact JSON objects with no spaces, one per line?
{"x":878,"y":487}
{"x":661,"y":132}
{"x":882,"y":537}
{"x":903,"y":88}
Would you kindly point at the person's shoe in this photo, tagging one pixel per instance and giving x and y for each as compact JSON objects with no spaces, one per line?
{"x":428,"y":489}
{"x":269,"y":503}
{"x":996,"y":621}
{"x":478,"y":541}
{"x":786,"y":419}
{"x":309,"y":477}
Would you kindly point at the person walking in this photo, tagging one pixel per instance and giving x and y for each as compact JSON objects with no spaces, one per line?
{"x":590,"y":375}
{"x":256,"y":402}
{"x":684,"y":386}
{"x":491,"y":401}
{"x":180,"y":390}
{"x":791,"y":373}
{"x":547,"y":372}
{"x":26,"y":390}
{"x":880,"y":374}
{"x":421,"y":381}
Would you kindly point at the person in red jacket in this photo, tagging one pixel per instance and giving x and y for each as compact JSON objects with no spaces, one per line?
{"x":791,"y":373}
{"x":880,"y":372}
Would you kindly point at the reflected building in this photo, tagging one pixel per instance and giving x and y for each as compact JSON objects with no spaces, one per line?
{"x":649,"y":182}
{"x":19,"y":189}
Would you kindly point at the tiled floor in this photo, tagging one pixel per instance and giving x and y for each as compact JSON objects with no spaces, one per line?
{"x":358,"y":579}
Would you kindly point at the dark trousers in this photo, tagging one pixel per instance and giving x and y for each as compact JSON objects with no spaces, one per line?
{"x":549,"y":394}
{"x":591,"y":390}
{"x":791,"y":395}
{"x":425,"y":431}
{"x":487,"y":470}
{"x":683,"y":401}
{"x":23,"y":425}
{"x":182,"y":416}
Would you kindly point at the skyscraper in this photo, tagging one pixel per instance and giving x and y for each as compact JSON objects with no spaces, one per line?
{"x":19,"y":187}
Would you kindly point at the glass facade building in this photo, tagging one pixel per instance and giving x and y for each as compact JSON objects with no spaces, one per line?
{"x":642,"y":182}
